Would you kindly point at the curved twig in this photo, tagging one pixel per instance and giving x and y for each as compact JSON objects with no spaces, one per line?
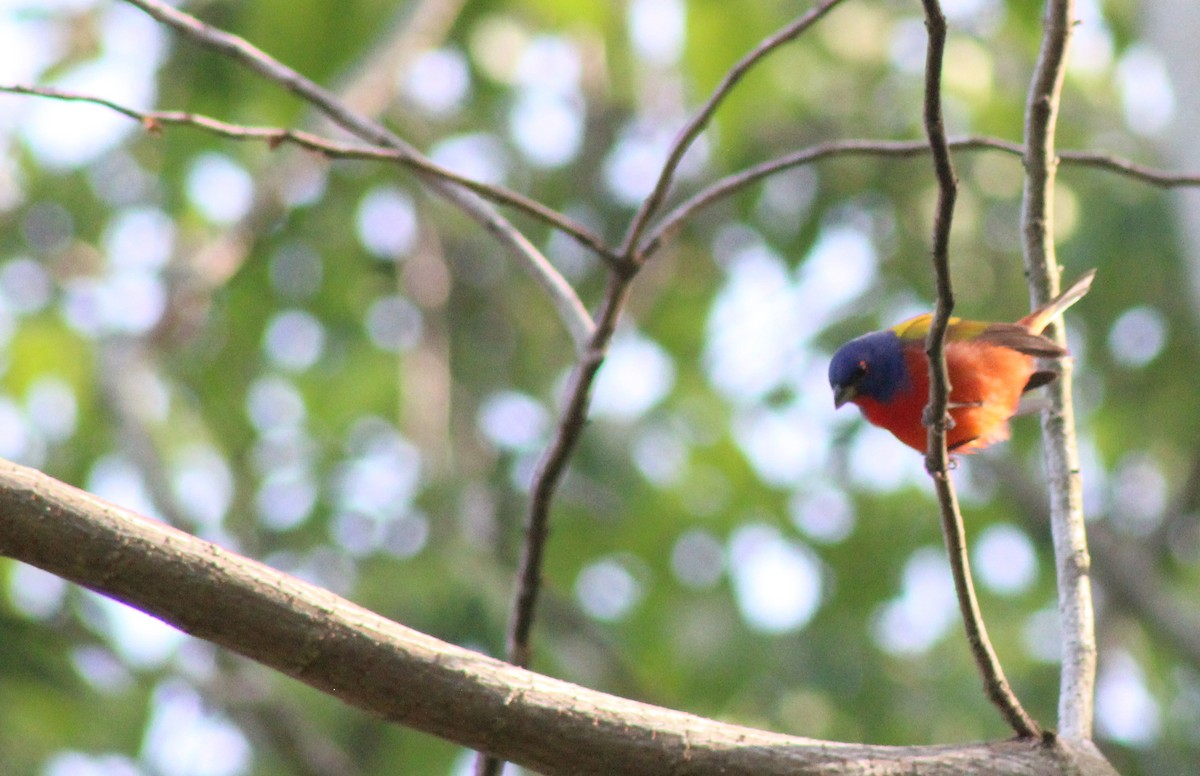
{"x":546,"y":478}
{"x":1078,"y":679}
{"x":153,"y":121}
{"x":629,"y":246}
{"x":905,"y":149}
{"x":937,"y":459}
{"x":565,"y":300}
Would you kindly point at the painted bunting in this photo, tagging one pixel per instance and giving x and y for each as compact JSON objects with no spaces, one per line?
{"x":990,"y":365}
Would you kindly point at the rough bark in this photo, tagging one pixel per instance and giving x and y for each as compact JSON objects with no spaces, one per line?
{"x":413,"y":679}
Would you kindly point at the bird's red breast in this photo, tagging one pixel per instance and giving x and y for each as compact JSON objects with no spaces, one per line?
{"x":986,"y":383}
{"x":989,"y":366}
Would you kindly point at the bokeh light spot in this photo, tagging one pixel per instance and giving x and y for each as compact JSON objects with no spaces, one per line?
{"x":925,"y":609}
{"x":824,"y":515}
{"x":438,"y":81}
{"x":1126,"y":712}
{"x":1137,"y":336}
{"x":1005,"y":559}
{"x":386,"y":223}
{"x":637,"y":375}
{"x":1147,"y":95}
{"x":777,"y":582}
{"x":294,"y":339}
{"x":220,"y":188}
{"x":394,"y":324}
{"x":606,"y":590}
{"x":512,"y":420}
{"x":657,"y":29}
{"x":697,"y":559}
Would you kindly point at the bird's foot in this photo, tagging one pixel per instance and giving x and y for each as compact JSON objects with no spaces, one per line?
{"x":945,"y":423}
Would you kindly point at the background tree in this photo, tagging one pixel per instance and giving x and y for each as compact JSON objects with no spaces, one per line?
{"x":315,"y":364}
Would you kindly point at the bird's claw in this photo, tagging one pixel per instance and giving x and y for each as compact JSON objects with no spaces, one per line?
{"x":927,"y":420}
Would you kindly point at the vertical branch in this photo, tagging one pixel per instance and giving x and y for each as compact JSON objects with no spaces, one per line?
{"x":546,"y":478}
{"x":1077,"y":688}
{"x":552,"y":466}
{"x":937,"y":458}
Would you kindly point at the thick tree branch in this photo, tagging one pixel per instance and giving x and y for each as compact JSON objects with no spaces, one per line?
{"x":937,"y":414}
{"x":563,"y":296}
{"x":1077,"y":688}
{"x":413,"y":679}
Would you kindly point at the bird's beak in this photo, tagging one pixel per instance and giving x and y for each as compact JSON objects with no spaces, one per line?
{"x":843,"y":394}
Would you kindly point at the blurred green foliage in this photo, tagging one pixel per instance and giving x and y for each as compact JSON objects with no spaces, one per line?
{"x":292,"y":377}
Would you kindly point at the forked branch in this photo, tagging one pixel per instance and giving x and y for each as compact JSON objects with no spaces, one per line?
{"x":563,"y":296}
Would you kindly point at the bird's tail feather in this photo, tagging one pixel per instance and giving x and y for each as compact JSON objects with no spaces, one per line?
{"x":1040,"y":318}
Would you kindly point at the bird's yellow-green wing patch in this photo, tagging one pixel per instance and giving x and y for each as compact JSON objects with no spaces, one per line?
{"x":918,"y":328}
{"x":1006,"y":335}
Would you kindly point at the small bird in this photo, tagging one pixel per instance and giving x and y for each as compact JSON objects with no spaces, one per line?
{"x":990,"y":365}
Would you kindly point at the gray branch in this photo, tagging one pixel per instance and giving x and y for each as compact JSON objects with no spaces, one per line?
{"x":413,"y":679}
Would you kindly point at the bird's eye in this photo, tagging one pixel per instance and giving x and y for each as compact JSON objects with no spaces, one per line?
{"x":860,"y":369}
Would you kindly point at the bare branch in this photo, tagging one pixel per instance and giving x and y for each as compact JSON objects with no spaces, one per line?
{"x":546,"y":478}
{"x":552,"y":465}
{"x":936,"y":458}
{"x":1078,"y":681}
{"x":688,"y":135}
{"x":413,"y":679}
{"x":153,"y":121}
{"x":1140,"y":172}
{"x":566,"y":301}
{"x":1128,"y":571}
{"x":905,"y":149}
{"x":550,"y":469}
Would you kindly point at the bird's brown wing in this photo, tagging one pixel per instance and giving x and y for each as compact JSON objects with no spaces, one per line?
{"x":1016,"y":337}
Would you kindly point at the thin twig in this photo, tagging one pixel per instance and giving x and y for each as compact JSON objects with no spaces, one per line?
{"x":563,"y":296}
{"x":688,"y":135}
{"x":153,"y":121}
{"x":1140,"y":172}
{"x":905,"y":149}
{"x":1078,"y":679}
{"x":553,"y":463}
{"x":546,"y":479}
{"x":937,"y":459}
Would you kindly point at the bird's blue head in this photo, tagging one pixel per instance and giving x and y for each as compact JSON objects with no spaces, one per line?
{"x":872,"y":365}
